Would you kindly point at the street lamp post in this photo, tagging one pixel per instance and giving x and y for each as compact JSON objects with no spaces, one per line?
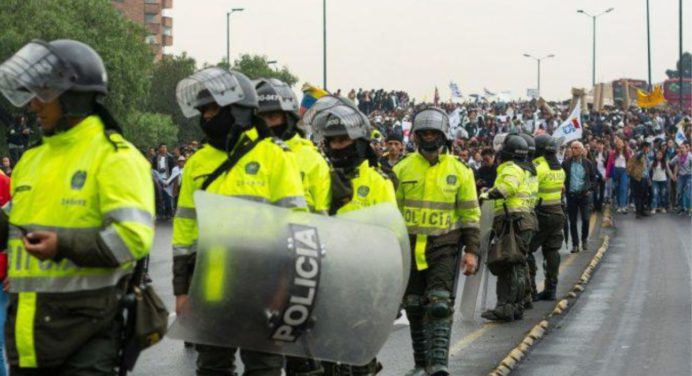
{"x":593,"y":18}
{"x":648,"y":42}
{"x":228,"y":33}
{"x":324,"y":44}
{"x":538,"y":60}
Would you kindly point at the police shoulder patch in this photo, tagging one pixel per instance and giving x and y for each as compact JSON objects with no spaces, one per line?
{"x":363,"y":190}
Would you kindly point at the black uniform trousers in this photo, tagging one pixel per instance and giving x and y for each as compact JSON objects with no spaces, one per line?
{"x":578,"y":207}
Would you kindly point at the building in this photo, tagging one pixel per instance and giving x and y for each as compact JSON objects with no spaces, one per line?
{"x":152,"y":15}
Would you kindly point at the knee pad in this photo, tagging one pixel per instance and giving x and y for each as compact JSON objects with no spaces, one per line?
{"x":439,"y":304}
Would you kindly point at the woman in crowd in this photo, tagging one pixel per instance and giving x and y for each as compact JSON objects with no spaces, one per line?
{"x":616,"y":170}
{"x":660,"y":173}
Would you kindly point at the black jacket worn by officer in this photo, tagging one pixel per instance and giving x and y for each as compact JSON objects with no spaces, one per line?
{"x":76,"y":227}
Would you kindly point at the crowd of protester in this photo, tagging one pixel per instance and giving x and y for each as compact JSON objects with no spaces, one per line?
{"x":657,"y":180}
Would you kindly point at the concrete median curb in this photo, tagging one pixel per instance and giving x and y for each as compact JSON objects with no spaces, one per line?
{"x":516,"y":355}
{"x":608,"y":221}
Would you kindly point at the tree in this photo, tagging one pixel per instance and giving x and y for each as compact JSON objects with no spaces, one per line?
{"x":146,"y":129}
{"x":256,"y":66}
{"x":161,"y":99}
{"x":684,"y":65}
{"x":119,"y":41}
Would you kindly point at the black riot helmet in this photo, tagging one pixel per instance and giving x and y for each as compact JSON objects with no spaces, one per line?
{"x":65,"y":69}
{"x":276,"y":96}
{"x":230,"y":90}
{"x":530,"y":143}
{"x":431,"y":119}
{"x":545,"y":144}
{"x":514,"y":148}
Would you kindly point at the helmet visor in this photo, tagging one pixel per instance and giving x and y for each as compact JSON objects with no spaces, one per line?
{"x":35,"y":72}
{"x":207,"y":86}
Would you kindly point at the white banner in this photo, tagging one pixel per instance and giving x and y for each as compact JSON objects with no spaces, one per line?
{"x":571,"y":129}
{"x":406,"y":129}
{"x":456,"y":93}
{"x":680,"y":134}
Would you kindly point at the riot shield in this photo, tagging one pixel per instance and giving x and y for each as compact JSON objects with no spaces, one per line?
{"x":472,"y":284}
{"x":388,"y":216}
{"x":294,"y":283}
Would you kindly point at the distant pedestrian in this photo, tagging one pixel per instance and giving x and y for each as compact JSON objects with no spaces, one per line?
{"x":580,"y":177}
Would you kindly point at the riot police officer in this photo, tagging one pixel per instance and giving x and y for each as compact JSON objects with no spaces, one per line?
{"x":551,"y":217}
{"x":77,"y":227}
{"x":279,"y":109}
{"x":437,"y":196}
{"x":241,"y":159}
{"x":532,"y":181}
{"x":512,"y":197}
{"x":356,"y":183}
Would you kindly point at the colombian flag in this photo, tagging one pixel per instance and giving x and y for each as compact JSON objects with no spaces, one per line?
{"x":310,"y":95}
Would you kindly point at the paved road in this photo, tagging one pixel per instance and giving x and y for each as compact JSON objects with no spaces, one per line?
{"x":635,"y":316}
{"x":477,"y":346}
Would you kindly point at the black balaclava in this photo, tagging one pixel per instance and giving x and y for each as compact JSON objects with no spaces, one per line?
{"x":287,"y":130}
{"x":218,"y":129}
{"x":350,"y":157}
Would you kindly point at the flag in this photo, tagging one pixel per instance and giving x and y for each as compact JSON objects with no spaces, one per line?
{"x":653,"y":99}
{"x":437,"y":96}
{"x":680,"y":137}
{"x":488,"y":92}
{"x":310,"y":95}
{"x":456,"y":93}
{"x":570,"y":129}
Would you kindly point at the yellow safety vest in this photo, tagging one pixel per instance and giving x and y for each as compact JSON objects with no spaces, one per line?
{"x":435,"y":199}
{"x":370,"y":187}
{"x":511,"y":182}
{"x":550,"y":183}
{"x":265,"y":174}
{"x":76,"y":181}
{"x":532,"y":182}
{"x":315,"y":171}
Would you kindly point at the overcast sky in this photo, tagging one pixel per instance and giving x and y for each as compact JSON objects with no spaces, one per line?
{"x":415,"y":45}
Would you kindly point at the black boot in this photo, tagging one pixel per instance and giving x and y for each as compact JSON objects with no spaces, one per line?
{"x":370,"y":369}
{"x":502,"y":313}
{"x":415,"y":313}
{"x":303,"y":367}
{"x":549,"y":291}
{"x":440,"y":333}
